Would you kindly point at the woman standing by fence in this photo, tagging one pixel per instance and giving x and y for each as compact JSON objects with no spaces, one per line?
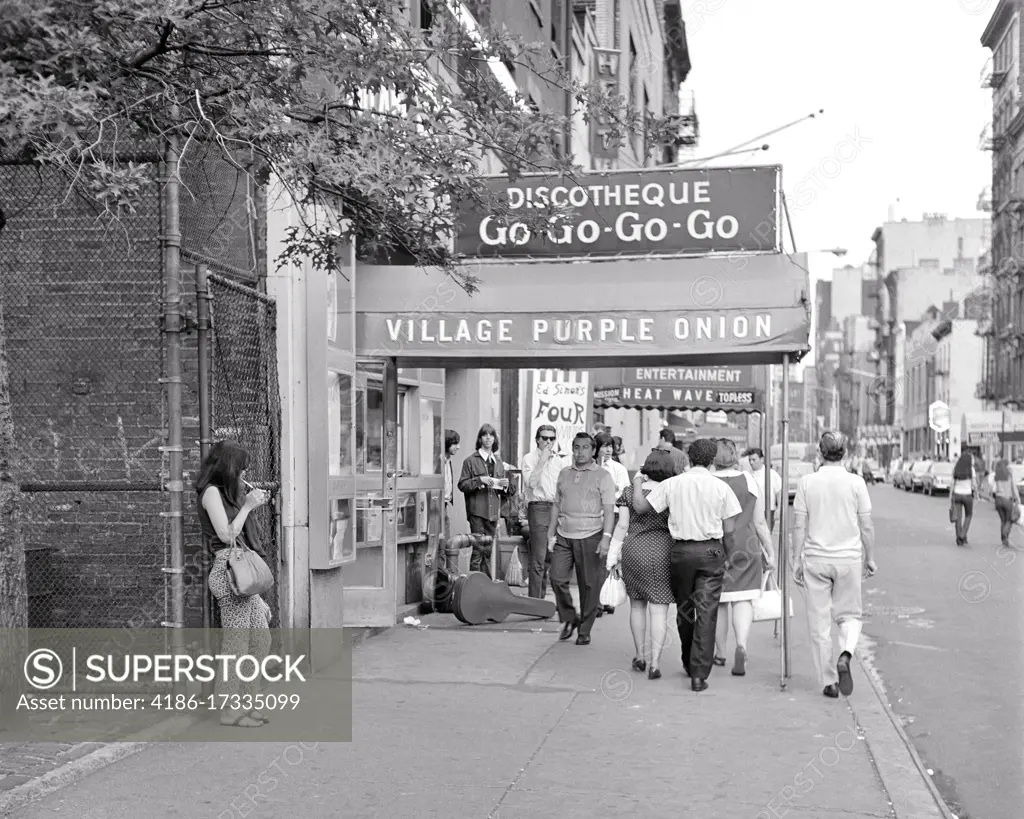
{"x":224,"y":515}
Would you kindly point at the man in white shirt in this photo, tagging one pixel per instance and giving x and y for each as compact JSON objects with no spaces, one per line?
{"x":756,"y":458}
{"x":701,"y":519}
{"x":833,"y":546}
{"x":540,"y":478}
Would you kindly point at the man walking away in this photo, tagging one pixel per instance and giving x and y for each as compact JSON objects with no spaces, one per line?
{"x":757,"y":466}
{"x":833,"y":546}
{"x":701,"y":519}
{"x":667,"y":442}
{"x":580,"y":533}
{"x":540,"y":479}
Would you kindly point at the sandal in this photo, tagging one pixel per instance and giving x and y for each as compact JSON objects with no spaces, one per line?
{"x":259,"y":716}
{"x":241,"y":721}
{"x":639,"y":665}
{"x":719,"y":660}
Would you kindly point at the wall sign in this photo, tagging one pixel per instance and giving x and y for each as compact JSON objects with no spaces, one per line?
{"x":621,"y":333}
{"x":705,"y":388}
{"x":634,"y":212}
{"x":607,"y":64}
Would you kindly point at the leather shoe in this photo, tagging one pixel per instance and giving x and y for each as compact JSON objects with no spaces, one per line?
{"x":583,"y":640}
{"x":831,"y":691}
{"x":697,"y":684}
{"x":568,"y":629}
{"x":609,"y":609}
{"x":845,"y":678}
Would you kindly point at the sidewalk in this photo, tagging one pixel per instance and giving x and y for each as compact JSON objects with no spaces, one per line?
{"x":503,"y":721}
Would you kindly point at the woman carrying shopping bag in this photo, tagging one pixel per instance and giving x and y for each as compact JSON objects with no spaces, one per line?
{"x":641,"y":549}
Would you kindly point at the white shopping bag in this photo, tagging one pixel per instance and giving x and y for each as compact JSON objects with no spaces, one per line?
{"x":613,"y":592}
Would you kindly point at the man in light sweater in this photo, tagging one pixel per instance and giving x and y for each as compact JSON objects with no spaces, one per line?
{"x":833,"y":547}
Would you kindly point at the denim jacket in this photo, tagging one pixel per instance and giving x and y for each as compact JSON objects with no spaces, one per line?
{"x":482,"y":501}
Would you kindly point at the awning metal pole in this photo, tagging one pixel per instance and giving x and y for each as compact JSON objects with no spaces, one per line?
{"x":784,"y":526}
{"x":767,"y":448}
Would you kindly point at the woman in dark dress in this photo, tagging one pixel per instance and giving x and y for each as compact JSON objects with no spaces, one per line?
{"x":484,"y":484}
{"x":642,"y":545}
{"x":743,"y":574}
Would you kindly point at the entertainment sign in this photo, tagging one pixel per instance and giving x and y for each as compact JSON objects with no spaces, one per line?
{"x":642,"y":212}
{"x":707,"y":388}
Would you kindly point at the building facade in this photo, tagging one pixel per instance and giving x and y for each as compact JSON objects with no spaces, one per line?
{"x":1002,"y":384}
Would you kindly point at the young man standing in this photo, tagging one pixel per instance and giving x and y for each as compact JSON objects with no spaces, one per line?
{"x":757,"y":466}
{"x":667,"y":442}
{"x":540,"y":479}
{"x":701,"y":519}
{"x":580,"y":533}
{"x":833,"y":547}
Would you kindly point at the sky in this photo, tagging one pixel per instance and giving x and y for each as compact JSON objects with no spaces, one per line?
{"x":904,"y":108}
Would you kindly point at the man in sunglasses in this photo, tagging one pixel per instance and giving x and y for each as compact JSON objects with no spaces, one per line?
{"x":540,"y":478}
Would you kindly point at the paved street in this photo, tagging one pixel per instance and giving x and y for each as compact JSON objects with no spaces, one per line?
{"x":500,"y":722}
{"x":947,"y":627}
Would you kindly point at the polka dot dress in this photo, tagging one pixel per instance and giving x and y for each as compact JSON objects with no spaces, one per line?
{"x":646,"y":553}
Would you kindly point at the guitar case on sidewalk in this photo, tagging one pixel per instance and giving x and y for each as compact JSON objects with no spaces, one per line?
{"x":476,"y":599}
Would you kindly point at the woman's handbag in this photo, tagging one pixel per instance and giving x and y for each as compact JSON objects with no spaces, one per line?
{"x":248,"y":573}
{"x":952,"y":512}
{"x":1015,"y":513}
{"x":769,"y":605}
{"x":613,"y":592}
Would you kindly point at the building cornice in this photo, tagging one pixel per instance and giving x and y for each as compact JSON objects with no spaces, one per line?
{"x":997,"y":22}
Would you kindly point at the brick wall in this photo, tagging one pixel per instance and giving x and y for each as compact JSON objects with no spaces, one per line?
{"x":83,"y":302}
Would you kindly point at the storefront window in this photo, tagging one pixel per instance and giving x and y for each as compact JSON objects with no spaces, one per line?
{"x":343,"y":536}
{"x":370,"y":430}
{"x":339,"y":424}
{"x":431,"y":437}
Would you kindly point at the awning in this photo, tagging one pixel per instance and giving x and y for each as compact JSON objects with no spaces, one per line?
{"x":711,"y":389}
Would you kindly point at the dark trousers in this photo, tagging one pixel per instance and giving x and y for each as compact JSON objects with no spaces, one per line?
{"x":538,"y":514}
{"x":583,"y":555}
{"x":1004,"y":506}
{"x":963,"y":511}
{"x":480,"y":560}
{"x":698,"y":573}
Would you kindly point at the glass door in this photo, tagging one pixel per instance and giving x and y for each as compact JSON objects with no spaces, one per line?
{"x":370,"y":581}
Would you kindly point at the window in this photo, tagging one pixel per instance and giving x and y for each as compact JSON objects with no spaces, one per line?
{"x":431,"y":437}
{"x":617,"y":24}
{"x":370,"y":430}
{"x":632,"y":71}
{"x":339,"y":424}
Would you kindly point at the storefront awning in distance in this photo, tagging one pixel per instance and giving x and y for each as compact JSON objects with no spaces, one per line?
{"x":732,"y":309}
{"x":710,"y":388}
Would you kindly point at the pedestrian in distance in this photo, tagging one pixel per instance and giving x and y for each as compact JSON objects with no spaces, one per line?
{"x":701,"y":519}
{"x":579,"y":536}
{"x":225,"y":516}
{"x":451,"y":449}
{"x":833,"y":549}
{"x":641,"y":546}
{"x":484,"y":484}
{"x":541,"y":468}
{"x":667,"y":442}
{"x":1006,"y":498}
{"x":753,"y":554}
{"x":961,"y":498}
{"x":755,"y":457}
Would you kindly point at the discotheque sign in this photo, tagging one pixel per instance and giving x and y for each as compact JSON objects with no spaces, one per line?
{"x":655,"y":211}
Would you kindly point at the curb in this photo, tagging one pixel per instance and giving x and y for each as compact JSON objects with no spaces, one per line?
{"x":898,"y":779}
{"x":77,"y":769}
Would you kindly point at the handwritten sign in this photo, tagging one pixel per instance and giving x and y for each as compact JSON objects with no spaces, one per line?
{"x":559,"y":398}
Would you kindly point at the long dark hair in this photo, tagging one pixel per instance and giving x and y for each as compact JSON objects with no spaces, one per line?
{"x":223,"y":469}
{"x":483,"y":431}
{"x":962,"y":470}
{"x":1002,"y":471}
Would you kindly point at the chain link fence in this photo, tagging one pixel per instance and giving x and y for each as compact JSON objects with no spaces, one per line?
{"x":83,"y":301}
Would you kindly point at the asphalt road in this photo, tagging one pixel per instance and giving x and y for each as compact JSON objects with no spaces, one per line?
{"x":946,"y":626}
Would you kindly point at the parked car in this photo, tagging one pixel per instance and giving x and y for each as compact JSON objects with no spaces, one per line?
{"x":797,"y":469}
{"x":938,"y":478}
{"x":1017,"y":470}
{"x":871,"y":472}
{"x":917,"y":474}
{"x":895,"y":467}
{"x":902,"y":478}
